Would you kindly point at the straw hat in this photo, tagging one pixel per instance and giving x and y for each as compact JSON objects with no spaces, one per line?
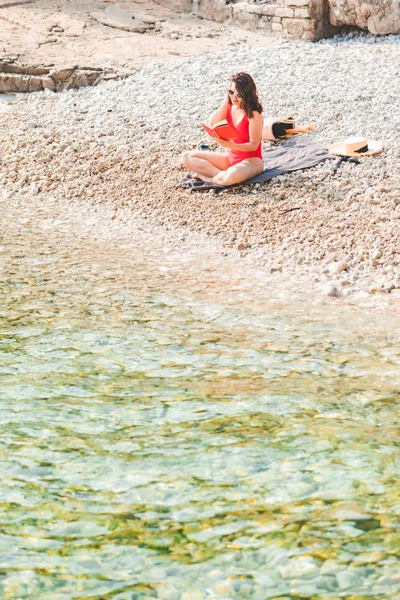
{"x":356,"y":147}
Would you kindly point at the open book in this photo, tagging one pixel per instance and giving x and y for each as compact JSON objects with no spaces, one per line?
{"x":222,"y":130}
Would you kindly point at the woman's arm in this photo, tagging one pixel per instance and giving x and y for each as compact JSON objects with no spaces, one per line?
{"x":255,"y":136}
{"x":221,"y":113}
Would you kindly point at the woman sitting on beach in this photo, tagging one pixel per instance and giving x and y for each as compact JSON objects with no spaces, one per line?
{"x":242,"y":109}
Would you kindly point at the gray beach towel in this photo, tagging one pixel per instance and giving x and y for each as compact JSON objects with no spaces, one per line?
{"x":292,"y":155}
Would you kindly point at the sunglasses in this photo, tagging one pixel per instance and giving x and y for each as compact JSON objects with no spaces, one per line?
{"x":232,"y":93}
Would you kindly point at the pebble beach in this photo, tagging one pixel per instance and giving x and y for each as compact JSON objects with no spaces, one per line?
{"x":119,"y":144}
{"x":198,"y":389}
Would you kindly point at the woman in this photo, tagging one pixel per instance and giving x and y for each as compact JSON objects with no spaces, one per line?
{"x":242,"y":109}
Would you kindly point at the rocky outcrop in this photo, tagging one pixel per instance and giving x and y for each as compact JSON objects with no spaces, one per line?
{"x":214,"y":10}
{"x":15,"y":3}
{"x":116,"y":18}
{"x":15,"y":77}
{"x":377,"y":16}
{"x":297,"y":19}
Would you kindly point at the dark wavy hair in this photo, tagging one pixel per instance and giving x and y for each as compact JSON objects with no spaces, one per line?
{"x":246,"y":89}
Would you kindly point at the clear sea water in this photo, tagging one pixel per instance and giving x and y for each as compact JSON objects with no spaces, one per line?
{"x":168,"y":430}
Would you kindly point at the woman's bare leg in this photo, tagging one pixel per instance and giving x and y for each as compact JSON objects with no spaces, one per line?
{"x":205,"y":164}
{"x":240,"y":172}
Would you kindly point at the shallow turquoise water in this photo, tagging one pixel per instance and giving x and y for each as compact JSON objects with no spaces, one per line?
{"x":166,"y":433}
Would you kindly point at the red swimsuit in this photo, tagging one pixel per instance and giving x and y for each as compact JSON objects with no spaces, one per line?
{"x":242,"y":128}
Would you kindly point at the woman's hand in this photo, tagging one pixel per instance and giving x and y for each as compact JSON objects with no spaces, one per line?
{"x":221,"y":113}
{"x":226,"y":98}
{"x":225,"y":144}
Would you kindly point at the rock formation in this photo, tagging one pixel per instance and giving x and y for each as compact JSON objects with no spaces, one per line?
{"x":377,"y":16}
{"x":298,"y":19}
{"x":16,"y":77}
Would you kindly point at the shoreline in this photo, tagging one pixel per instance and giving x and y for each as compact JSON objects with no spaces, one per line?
{"x":101,"y":225}
{"x":342,"y":241}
